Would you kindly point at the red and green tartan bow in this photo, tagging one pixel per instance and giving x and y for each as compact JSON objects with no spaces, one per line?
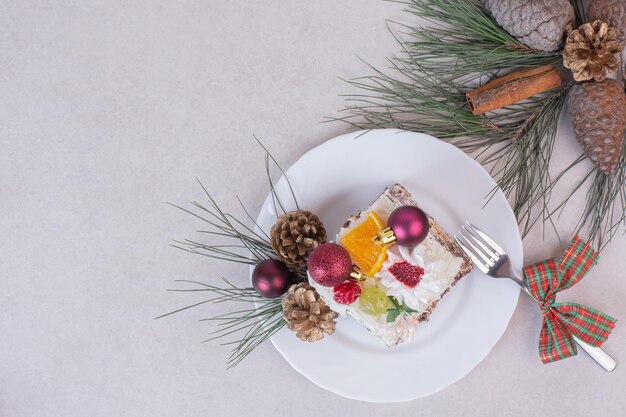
{"x":562,"y":321}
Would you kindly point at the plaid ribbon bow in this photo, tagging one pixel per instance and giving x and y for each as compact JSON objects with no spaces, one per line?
{"x":562,"y":321}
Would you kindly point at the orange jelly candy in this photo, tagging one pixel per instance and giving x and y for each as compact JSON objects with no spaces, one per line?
{"x":358,"y":242}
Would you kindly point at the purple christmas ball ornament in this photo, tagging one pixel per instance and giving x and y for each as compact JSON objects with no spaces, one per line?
{"x":271,"y":278}
{"x":409,"y":225}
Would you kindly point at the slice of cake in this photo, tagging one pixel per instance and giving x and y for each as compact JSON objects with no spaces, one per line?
{"x":411,"y":280}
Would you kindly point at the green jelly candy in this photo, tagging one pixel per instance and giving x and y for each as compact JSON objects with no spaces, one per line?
{"x":373,"y":301}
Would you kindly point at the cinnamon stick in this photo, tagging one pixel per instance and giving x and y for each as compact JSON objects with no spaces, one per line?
{"x":512,"y":88}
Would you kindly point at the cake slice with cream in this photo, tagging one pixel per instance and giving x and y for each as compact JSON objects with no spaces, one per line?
{"x":411,"y":280}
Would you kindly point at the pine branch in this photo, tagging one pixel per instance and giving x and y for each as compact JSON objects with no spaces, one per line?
{"x":247,"y":245}
{"x":424,"y":91}
{"x":604,"y":214}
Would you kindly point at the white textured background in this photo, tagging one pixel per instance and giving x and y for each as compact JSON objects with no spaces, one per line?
{"x":110,"y":109}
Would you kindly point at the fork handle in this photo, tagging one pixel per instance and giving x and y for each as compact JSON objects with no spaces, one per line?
{"x":597,"y":354}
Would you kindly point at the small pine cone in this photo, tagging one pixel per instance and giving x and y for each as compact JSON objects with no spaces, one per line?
{"x":307,"y":314}
{"x":611,"y":11}
{"x":590,"y":51}
{"x":538,"y":24}
{"x":598,"y":111}
{"x":295,"y":235}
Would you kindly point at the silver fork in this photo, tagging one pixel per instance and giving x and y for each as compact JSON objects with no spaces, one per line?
{"x":491,"y":259}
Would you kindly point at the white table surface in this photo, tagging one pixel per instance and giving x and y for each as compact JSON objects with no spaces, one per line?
{"x":108,"y":110}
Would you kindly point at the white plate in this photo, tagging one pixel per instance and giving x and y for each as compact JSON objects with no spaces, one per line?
{"x":346,"y":174}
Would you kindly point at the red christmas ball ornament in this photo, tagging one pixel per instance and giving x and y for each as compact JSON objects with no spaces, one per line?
{"x":329,"y":265}
{"x":347,"y":293}
{"x":271,"y":278}
{"x":406,"y":226}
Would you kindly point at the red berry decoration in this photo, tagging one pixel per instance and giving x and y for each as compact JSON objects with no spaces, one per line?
{"x":271,"y":278}
{"x":329,"y":264}
{"x":409,"y":275}
{"x":407,"y":226}
{"x":347,"y":293}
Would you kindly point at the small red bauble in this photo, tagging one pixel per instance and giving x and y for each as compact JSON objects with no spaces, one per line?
{"x":271,"y":278}
{"x":409,"y":224}
{"x":329,"y":265}
{"x":347,"y":293}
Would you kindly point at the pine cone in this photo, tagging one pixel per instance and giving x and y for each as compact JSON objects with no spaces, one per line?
{"x":539,"y":24}
{"x":611,"y":11}
{"x":590,"y":51}
{"x":295,"y":235}
{"x":307,"y":314}
{"x":598,"y":111}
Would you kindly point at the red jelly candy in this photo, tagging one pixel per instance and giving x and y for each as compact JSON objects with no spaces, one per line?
{"x":409,"y":275}
{"x":347,"y":293}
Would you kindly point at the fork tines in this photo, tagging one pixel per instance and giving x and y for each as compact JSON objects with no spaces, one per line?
{"x":483,"y":251}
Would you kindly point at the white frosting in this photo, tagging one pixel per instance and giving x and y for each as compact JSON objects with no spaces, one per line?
{"x":327,"y":295}
{"x":402,"y":329}
{"x":440,"y":268}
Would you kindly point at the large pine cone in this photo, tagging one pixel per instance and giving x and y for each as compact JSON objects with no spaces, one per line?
{"x":598,"y":111}
{"x":612,"y":11}
{"x":539,"y":24}
{"x":295,"y":235}
{"x":307,"y":314}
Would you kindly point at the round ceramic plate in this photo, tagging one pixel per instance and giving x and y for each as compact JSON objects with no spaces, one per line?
{"x":347,"y":174}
